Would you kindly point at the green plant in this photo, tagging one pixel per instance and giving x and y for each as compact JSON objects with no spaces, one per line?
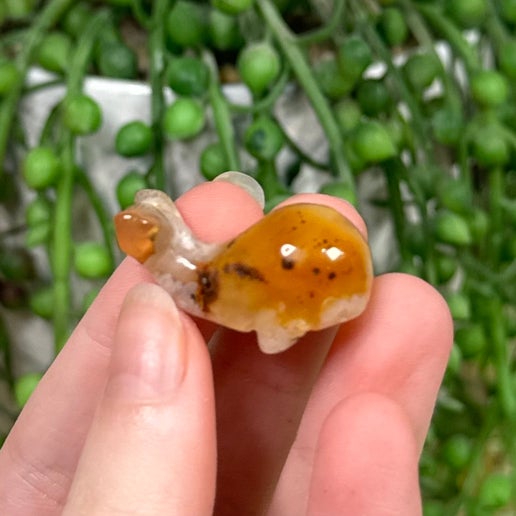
{"x":443,"y":141}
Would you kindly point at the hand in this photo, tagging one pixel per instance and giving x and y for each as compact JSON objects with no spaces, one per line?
{"x":124,"y":421}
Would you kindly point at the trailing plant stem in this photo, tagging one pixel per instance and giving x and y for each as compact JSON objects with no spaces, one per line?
{"x":100,"y":211}
{"x":496,"y":193}
{"x":48,"y":17}
{"x":267,"y":176}
{"x":265,"y":103}
{"x":157,"y":51}
{"x":391,"y":169}
{"x":286,"y":40}
{"x":327,"y":30}
{"x":62,"y":244}
{"x":453,"y":35}
{"x":404,"y":93}
{"x":222,"y":116}
{"x":496,"y":327}
{"x":476,"y":464}
{"x":422,"y":34}
{"x":62,"y":239}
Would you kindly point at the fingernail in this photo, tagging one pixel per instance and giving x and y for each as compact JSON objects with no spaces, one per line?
{"x":246,"y":182}
{"x":149,"y":357}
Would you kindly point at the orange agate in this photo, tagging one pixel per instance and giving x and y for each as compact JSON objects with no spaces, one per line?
{"x":302,"y":267}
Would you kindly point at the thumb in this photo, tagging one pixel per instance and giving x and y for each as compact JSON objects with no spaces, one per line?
{"x":151,"y":447}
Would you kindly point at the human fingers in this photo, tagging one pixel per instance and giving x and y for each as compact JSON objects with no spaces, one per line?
{"x":218,"y":211}
{"x":260,"y":400}
{"x":40,"y":455}
{"x":398,"y":348}
{"x":222,"y":211}
{"x":151,"y":447}
{"x":366,"y":461}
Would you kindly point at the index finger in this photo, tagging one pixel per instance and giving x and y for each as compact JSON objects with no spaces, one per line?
{"x":39,"y":457}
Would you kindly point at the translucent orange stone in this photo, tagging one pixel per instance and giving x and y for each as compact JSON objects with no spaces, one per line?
{"x":297,"y":261}
{"x":300,"y":268}
{"x":136,"y":234}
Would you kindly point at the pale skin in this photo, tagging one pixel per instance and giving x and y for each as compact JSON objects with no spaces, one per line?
{"x":136,"y":416}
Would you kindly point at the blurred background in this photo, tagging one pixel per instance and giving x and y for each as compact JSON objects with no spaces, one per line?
{"x":405,"y":108}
